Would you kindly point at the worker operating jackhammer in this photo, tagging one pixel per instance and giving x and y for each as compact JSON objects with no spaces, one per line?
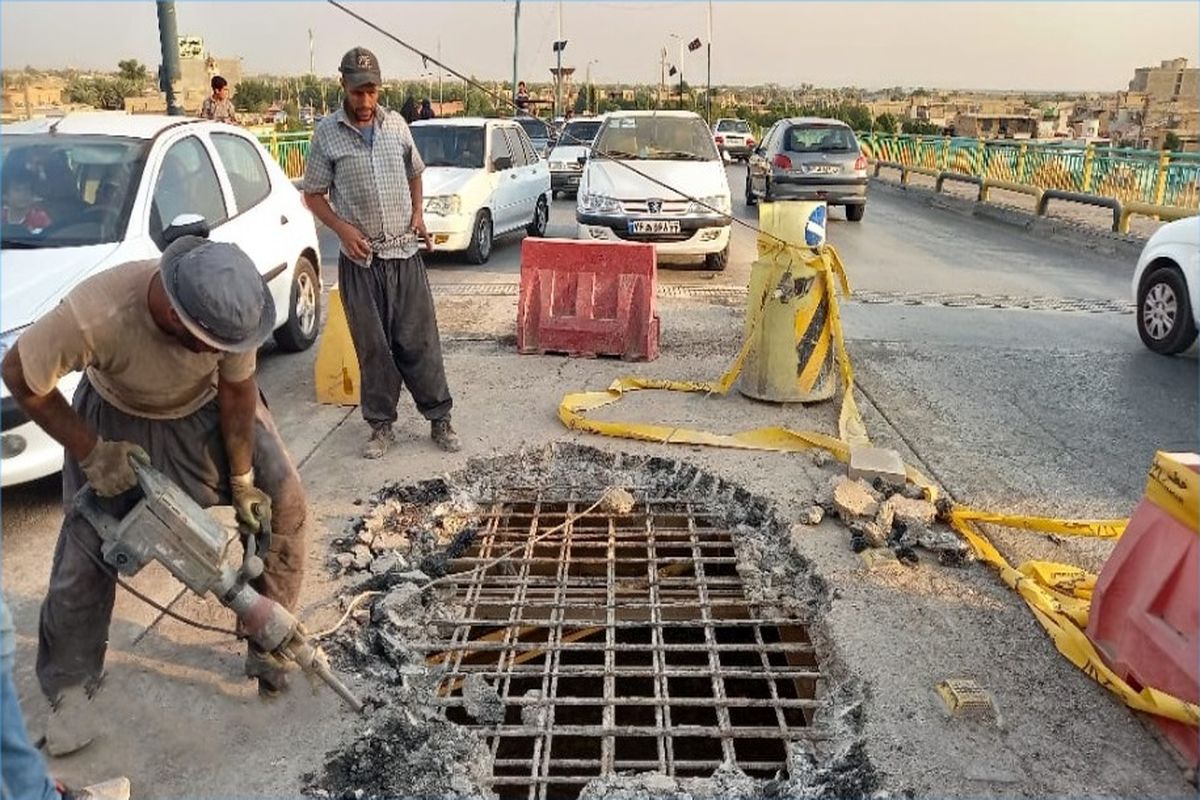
{"x":168,"y":352}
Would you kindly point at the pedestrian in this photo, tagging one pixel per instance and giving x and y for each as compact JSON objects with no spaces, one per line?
{"x":167,"y":348}
{"x":409,"y":110}
{"x":427,"y":109}
{"x":23,"y":774}
{"x":217,"y":106}
{"x":521,"y":101}
{"x":365,"y":160}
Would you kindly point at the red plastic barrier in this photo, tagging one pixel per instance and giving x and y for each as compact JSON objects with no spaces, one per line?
{"x":1145,"y":615}
{"x":588,"y":299}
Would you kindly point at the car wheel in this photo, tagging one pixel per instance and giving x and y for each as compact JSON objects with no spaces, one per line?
{"x":304,"y":310}
{"x":541,"y":217}
{"x":750,"y":198}
{"x":855,"y":212}
{"x":716,"y":262}
{"x":1164,"y":313}
{"x":554,"y":195}
{"x":766,"y":195}
{"x":480,"y":249}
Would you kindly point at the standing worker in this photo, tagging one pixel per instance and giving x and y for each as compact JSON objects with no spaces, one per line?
{"x":365,"y":159}
{"x":168,"y":349}
{"x":217,"y":106}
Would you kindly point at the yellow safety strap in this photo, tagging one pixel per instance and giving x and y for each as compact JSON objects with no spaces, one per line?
{"x":1059,"y":595}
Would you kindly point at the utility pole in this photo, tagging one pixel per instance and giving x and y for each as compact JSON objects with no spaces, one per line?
{"x":662,"y":76}
{"x":168,"y":39}
{"x":312,"y":70}
{"x":558,"y":48}
{"x":708,"y":83}
{"x":441,"y":94}
{"x":516,"y":46}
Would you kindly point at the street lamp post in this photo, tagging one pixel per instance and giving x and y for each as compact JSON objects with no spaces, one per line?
{"x":588,"y":83}
{"x":680,"y":67}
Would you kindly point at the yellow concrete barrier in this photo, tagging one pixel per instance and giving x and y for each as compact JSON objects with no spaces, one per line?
{"x":335,"y":371}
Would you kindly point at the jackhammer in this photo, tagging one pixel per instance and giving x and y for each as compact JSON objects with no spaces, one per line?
{"x":169,"y":527}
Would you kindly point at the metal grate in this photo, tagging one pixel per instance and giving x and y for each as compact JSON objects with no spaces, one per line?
{"x":636,"y":635}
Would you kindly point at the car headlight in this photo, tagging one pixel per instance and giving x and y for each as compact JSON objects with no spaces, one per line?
{"x":443,"y":205}
{"x":9,"y":338}
{"x":597,"y":203}
{"x":706,"y":205}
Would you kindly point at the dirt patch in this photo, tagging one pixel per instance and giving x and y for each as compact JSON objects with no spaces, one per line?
{"x":410,"y":748}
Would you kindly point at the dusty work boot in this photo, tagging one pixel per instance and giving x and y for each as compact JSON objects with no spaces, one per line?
{"x":272,"y":674}
{"x":443,"y":435}
{"x":382,"y":437}
{"x":72,"y":722}
{"x":113,"y":789}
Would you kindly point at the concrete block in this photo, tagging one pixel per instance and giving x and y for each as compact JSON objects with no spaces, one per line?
{"x":912,"y":513}
{"x":880,"y":558}
{"x":869,"y":463}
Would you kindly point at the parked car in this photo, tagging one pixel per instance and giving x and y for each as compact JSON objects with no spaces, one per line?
{"x":809,"y":158}
{"x":540,"y":132}
{"x":482,"y":179}
{"x":108,"y":187}
{"x":567,"y":156}
{"x":1166,"y":287}
{"x":734,"y":137}
{"x":672,"y":149}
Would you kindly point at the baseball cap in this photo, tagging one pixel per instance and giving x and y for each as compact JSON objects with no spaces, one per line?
{"x":218,"y":293}
{"x":360,"y":67}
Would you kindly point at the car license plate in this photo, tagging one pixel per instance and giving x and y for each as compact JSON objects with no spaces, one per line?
{"x":823,"y":169}
{"x":654,"y":226}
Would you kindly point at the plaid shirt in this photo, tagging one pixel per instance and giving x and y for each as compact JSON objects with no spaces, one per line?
{"x":367,"y":184}
{"x":218,"y":110}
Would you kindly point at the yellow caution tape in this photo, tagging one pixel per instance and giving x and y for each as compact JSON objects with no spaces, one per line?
{"x":1059,"y":595}
{"x":1175,"y":488}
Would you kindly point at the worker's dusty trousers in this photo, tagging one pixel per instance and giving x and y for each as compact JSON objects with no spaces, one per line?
{"x":389,"y":308}
{"x":74,"y":630}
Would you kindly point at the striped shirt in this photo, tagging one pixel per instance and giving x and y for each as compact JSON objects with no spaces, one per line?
{"x":368,"y":182}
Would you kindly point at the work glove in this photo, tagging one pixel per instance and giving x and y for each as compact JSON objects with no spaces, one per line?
{"x":252,"y":505}
{"x":109,"y":467}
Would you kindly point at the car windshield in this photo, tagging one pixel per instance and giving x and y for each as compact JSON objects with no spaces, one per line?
{"x":733,"y":126}
{"x":449,"y":145}
{"x":820,"y":139}
{"x":580,"y":133}
{"x":656,"y":138}
{"x":534,"y":127}
{"x":67,"y":191}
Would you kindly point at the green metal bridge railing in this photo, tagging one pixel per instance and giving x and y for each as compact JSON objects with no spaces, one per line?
{"x":1131,"y":176}
{"x":290,"y":150}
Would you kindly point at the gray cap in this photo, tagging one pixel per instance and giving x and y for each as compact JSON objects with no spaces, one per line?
{"x":218,"y":293}
{"x":360,"y":67}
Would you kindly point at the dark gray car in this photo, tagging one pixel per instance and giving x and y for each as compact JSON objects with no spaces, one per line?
{"x":809,"y":158}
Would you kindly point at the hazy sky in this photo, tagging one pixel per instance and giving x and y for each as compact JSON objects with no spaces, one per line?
{"x":1052,"y":44}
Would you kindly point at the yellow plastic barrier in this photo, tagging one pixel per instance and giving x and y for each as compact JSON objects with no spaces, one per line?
{"x":335,"y":371}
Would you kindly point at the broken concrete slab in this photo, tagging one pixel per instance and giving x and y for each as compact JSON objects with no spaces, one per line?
{"x":869,"y":463}
{"x":871,"y":533}
{"x":813,"y":515}
{"x":911,"y":512}
{"x":481,"y":701}
{"x":854,"y":499}
{"x":362,"y":556}
{"x":879,"y":558}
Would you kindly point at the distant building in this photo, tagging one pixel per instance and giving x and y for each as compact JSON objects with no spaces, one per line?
{"x":196,"y":70}
{"x":32,"y":98}
{"x":996,"y":126}
{"x":1161,"y":101}
{"x":1172,"y":80}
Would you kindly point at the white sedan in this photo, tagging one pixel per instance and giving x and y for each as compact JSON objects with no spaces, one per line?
{"x":86,"y":192}
{"x":1166,"y":287}
{"x":483,"y":179}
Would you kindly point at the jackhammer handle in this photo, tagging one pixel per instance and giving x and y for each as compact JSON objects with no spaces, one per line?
{"x":324,"y":673}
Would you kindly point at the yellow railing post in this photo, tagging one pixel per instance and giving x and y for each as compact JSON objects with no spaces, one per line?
{"x":1089,"y":161}
{"x":1160,"y":182}
{"x":1020,"y":176}
{"x":981,"y":161}
{"x":945,"y":152}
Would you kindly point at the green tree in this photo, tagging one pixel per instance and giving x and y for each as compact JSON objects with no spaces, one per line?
{"x":254,"y":95}
{"x":1172,"y":142}
{"x":132,"y":70}
{"x":887,"y":123}
{"x":919,"y":127}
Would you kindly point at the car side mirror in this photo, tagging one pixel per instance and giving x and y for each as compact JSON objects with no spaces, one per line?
{"x":185,"y":225}
{"x":501,"y":163}
{"x":582,"y":161}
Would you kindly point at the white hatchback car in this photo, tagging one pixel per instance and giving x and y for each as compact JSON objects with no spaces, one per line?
{"x":482,"y":179}
{"x":656,"y":176}
{"x":1166,"y":287}
{"x":87,"y":192}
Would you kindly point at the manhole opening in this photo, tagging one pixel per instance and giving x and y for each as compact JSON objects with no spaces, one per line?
{"x":622,"y":643}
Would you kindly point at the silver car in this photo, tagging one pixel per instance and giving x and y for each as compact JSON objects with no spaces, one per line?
{"x":809,"y":158}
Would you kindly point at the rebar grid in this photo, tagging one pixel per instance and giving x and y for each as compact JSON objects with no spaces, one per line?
{"x":636,"y":636}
